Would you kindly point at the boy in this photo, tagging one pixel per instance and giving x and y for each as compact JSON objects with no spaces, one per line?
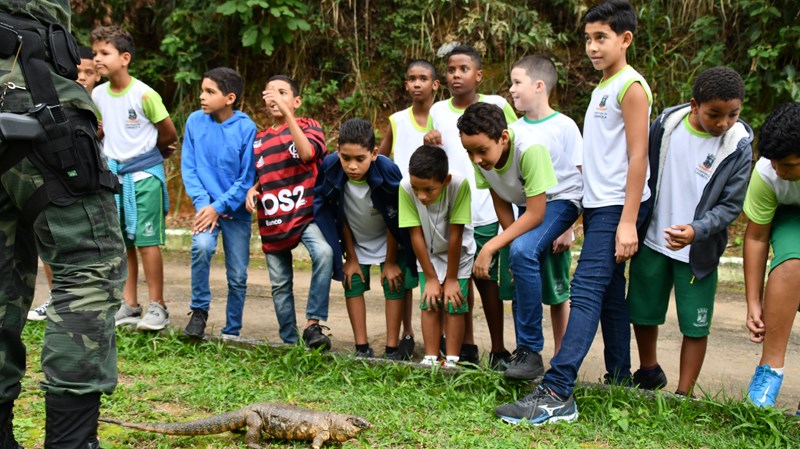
{"x":406,"y":131}
{"x":700,"y":157}
{"x":356,"y":209}
{"x":219,"y":136}
{"x":87,"y":77}
{"x":138,"y":135}
{"x":463,"y":76}
{"x":435,"y":204}
{"x":614,"y":182}
{"x":773,"y":206}
{"x":533,"y":79}
{"x":287,"y":158}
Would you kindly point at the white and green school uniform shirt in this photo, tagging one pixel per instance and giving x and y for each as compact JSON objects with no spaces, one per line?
{"x":563,"y":130}
{"x":605,"y":148}
{"x":406,"y":136}
{"x":452,"y":207}
{"x":767,"y":191}
{"x":690,"y":161}
{"x":527,"y":172}
{"x":445,"y":118}
{"x":569,"y":183}
{"x":366,"y":223}
{"x":128,"y":120}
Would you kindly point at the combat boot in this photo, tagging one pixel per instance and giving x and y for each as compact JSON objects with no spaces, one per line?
{"x":71,"y":421}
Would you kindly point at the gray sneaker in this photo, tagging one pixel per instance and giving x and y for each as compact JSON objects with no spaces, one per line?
{"x":525,"y":365}
{"x":127,"y":314}
{"x":155,"y":319}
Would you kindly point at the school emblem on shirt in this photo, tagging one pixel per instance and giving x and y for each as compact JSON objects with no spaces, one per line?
{"x":601,"y":111}
{"x":702,"y":317}
{"x":132,"y":117}
{"x":704,"y":170}
{"x":602,"y":105}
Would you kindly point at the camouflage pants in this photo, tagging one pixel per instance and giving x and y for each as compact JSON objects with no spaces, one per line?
{"x":83,"y":245}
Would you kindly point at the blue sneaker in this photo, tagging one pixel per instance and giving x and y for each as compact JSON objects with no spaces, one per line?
{"x":540,"y":407}
{"x":764,"y":386}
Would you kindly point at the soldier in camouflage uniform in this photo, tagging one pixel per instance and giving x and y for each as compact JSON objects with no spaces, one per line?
{"x":83,"y":244}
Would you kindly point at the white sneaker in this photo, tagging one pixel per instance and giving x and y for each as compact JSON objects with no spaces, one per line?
{"x":429,"y":360}
{"x":155,"y":319}
{"x":127,"y":314}
{"x":39,"y":313}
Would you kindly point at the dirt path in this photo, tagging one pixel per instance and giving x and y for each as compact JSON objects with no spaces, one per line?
{"x":729,"y":364}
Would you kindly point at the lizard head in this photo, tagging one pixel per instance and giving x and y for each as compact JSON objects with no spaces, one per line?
{"x":348,"y":427}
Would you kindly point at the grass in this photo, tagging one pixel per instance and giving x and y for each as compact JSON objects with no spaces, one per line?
{"x":166,"y":379}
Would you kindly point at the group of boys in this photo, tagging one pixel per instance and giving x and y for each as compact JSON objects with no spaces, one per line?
{"x":471,"y":196}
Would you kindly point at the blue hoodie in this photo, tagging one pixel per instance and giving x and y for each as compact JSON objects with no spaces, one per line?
{"x":217,"y":162}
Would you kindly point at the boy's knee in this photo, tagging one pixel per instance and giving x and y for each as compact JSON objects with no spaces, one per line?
{"x":203,"y":243}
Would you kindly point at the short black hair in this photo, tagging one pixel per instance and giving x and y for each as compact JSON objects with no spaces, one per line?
{"x":357,"y":131}
{"x":228,"y":81}
{"x":483,"y":118}
{"x":288,"y":79}
{"x":718,"y":83}
{"x":117,"y":36}
{"x":85,"y":52}
{"x":466,"y":50}
{"x":539,"y":68}
{"x":780,"y":134}
{"x":429,"y":162}
{"x":424,"y":64}
{"x":618,"y":14}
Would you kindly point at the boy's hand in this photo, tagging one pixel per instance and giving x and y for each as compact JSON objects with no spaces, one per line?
{"x":678,"y":236}
{"x":452,"y":293}
{"x":392,"y":273}
{"x":252,"y":198}
{"x":627,"y":242}
{"x":483,"y":263}
{"x":433,"y":137}
{"x":432,"y":295}
{"x":272,"y":98}
{"x":755,"y":324}
{"x":169,"y":150}
{"x":351,"y":268}
{"x":205,"y":220}
{"x":563,"y":242}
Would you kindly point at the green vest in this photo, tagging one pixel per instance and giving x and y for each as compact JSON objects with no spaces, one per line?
{"x":47,"y":11}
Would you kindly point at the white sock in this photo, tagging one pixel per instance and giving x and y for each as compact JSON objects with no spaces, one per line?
{"x":779,"y":371}
{"x":452,"y":358}
{"x":432,"y":358}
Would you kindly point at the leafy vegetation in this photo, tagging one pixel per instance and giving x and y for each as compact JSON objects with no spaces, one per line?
{"x":163,"y":378}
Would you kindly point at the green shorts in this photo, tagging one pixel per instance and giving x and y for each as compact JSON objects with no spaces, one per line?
{"x":506,"y":278}
{"x":785,"y":236}
{"x":360,"y":284}
{"x":652,"y":276}
{"x":150,"y":223}
{"x":555,"y":277}
{"x":463,"y":283}
{"x":482,"y":235}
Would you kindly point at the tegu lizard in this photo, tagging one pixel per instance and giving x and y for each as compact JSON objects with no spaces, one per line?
{"x":273,"y":420}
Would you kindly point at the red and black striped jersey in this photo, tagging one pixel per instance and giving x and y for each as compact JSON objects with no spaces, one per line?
{"x":286,"y":204}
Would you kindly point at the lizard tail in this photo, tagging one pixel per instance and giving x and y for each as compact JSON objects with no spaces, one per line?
{"x":225,"y":422}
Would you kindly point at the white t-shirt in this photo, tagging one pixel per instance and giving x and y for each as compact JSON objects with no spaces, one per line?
{"x":366,"y":223}
{"x":564,"y":130}
{"x":767,"y":191}
{"x":406,"y":137}
{"x":445,"y":119}
{"x":128,"y":119}
{"x":687,"y":168}
{"x":605,"y":147}
{"x":569,"y":181}
{"x":527,"y":172}
{"x":452,"y":207}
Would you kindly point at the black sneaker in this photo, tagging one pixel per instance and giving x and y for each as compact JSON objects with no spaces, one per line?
{"x":405,"y":349}
{"x":650,"y":379}
{"x":525,"y":365}
{"x":315,"y":339}
{"x":368,"y":353}
{"x":469,"y":354}
{"x":619,"y":381}
{"x":499,"y":361}
{"x":542,"y":406}
{"x":197,"y":324}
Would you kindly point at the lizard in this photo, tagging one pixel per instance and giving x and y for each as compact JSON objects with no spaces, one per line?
{"x":273,"y":420}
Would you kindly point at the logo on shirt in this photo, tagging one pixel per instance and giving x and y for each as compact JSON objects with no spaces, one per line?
{"x":285,"y":200}
{"x":132,"y":117}
{"x":702,"y":317}
{"x":257,"y":143}
{"x":293,"y":151}
{"x":391,"y":211}
{"x":704,"y":170}
{"x":260,"y":162}
{"x":602,"y":105}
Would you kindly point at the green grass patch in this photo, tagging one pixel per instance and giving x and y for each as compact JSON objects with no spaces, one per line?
{"x":164,"y":378}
